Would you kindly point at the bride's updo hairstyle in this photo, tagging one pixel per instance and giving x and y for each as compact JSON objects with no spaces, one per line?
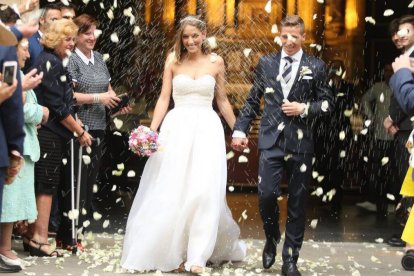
{"x":179,"y":48}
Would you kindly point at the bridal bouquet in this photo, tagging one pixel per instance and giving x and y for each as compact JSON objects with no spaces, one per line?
{"x":143,"y":141}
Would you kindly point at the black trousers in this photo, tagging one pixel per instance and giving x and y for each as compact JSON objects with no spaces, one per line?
{"x":88,"y":179}
{"x":298,"y":167}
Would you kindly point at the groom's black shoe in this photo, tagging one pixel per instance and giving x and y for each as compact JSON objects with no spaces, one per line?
{"x":269,"y":253}
{"x":290,"y":269}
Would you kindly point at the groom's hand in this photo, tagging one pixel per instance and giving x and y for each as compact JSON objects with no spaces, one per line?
{"x":403,"y":61}
{"x":293,"y":108}
{"x":239,"y":144}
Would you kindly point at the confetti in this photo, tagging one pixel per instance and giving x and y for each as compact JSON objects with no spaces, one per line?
{"x":96,"y":216}
{"x":114,"y":38}
{"x":131,"y":173}
{"x":379,"y":240}
{"x":73,"y":214}
{"x":64,"y":161}
{"x":118,"y":123}
{"x":300,"y":134}
{"x":371,"y":20}
{"x":388,"y":12}
{"x":268,"y":7}
{"x":113,"y":188}
{"x":325,"y":106}
{"x":230,"y":155}
{"x":403,"y":32}
{"x":243,"y":159}
{"x":105,"y":57}
{"x":120,"y":166}
{"x":136,"y":30}
{"x":313,"y":223}
{"x":246,"y":52}
{"x":63,"y":78}
{"x":86,"y":159}
{"x":381,"y":98}
{"x":274,"y":30}
{"x":391,"y":197}
{"x":281,"y":126}
{"x":95,"y":188}
{"x":231,"y":188}
{"x":303,"y":168}
{"x":278,"y":40}
{"x":97,"y":33}
{"x":385,"y":160}
{"x":105,"y":224}
{"x":342,"y":135}
{"x":213,"y":42}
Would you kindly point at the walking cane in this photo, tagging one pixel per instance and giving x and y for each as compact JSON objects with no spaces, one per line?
{"x":72,"y":191}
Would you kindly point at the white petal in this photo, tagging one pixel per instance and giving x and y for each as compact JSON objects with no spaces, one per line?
{"x":244,"y":214}
{"x":95,"y":188}
{"x":382,"y":98}
{"x":243,"y":159}
{"x":120,"y":166}
{"x":136,"y":30}
{"x":86,"y":159}
{"x":110,"y":14}
{"x":114,"y":38}
{"x":113,"y":188}
{"x":342,"y":154}
{"x":315,"y":174}
{"x":63,"y":78}
{"x":411,"y":4}
{"x":73,"y":214}
{"x":379,"y":240}
{"x":246,"y":150}
{"x":314,"y":223}
{"x":96,"y":216}
{"x":364,"y":131}
{"x":342,"y":135}
{"x":65,"y":62}
{"x":367,"y":123}
{"x":300,"y":134}
{"x":88,"y":149}
{"x":278,"y":41}
{"x":246,"y":52}
{"x":315,"y":15}
{"x":365,"y":159}
{"x":231,"y":188}
{"x":105,"y":57}
{"x":403,"y":32}
{"x":105,"y":224}
{"x":303,"y":168}
{"x":97,"y":33}
{"x":268,"y":7}
{"x":64,"y":161}
{"x":371,"y":20}
{"x":348,"y":112}
{"x":320,"y":178}
{"x":131,"y":173}
{"x":118,"y":123}
{"x":230,"y":155}
{"x":384,"y":160}
{"x":391,"y":197}
{"x":274,"y":29}
{"x":388,"y":12}
{"x":281,"y":126}
{"x":213,"y":42}
{"x":86,"y":223}
{"x":325,"y":106}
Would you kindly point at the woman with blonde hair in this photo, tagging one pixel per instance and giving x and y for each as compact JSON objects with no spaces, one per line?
{"x":180,"y":219}
{"x":56,"y":93}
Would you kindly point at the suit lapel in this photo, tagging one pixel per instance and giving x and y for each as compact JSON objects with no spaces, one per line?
{"x":303,"y":62}
{"x":276,"y":72}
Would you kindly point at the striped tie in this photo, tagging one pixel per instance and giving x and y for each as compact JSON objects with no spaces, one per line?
{"x":287,"y":70}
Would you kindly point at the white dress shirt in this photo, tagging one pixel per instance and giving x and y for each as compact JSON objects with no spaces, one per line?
{"x":295,"y":66}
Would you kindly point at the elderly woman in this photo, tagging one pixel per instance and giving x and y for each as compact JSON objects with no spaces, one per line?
{"x":94,"y":95}
{"x":55,"y":92}
{"x":19,"y":198}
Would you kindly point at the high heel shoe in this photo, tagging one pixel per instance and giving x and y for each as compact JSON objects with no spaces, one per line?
{"x":37,"y":251}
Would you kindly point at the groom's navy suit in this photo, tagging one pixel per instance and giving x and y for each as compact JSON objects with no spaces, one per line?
{"x":285,"y":142}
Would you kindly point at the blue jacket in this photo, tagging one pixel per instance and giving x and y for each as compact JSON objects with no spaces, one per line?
{"x":35,"y":48}
{"x":402,"y":84}
{"x":11,"y":111}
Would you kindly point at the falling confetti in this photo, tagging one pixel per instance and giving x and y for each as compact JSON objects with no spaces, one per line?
{"x":64,"y":161}
{"x":342,"y":135}
{"x":268,"y":7}
{"x":213,"y":42}
{"x":303,"y":168}
{"x":369,"y":19}
{"x":391,"y":197}
{"x":86,"y":159}
{"x":96,"y":216}
{"x":382,"y":98}
{"x":388,"y":12}
{"x":278,"y":40}
{"x":136,"y":30}
{"x":243,"y":159}
{"x":118,"y":123}
{"x":300,"y":134}
{"x":131,"y":173}
{"x":231,"y":188}
{"x":73,"y":214}
{"x":230,"y":155}
{"x":385,"y":160}
{"x":403,"y":32}
{"x":120,"y":166}
{"x":114,"y":38}
{"x":105,"y":224}
{"x":274,"y":30}
{"x":325,"y":106}
{"x":313,"y":223}
{"x":246,"y":52}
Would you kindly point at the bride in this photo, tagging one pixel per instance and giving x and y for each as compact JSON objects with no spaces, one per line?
{"x":180,"y":218}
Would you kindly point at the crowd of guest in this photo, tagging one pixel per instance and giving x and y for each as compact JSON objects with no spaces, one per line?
{"x":63,"y":93}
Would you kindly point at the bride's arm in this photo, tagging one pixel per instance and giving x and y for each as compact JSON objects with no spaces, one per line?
{"x":164,"y":99}
{"x":223,"y":103}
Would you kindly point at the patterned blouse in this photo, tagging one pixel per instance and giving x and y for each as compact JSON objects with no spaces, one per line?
{"x":90,"y":76}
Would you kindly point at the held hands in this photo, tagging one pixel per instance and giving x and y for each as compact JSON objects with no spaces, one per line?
{"x":293,"y":108}
{"x":85,"y":139}
{"x":109,"y":99}
{"x":45,"y":117}
{"x":6,"y":91}
{"x":31,"y":80}
{"x":403,"y":61}
{"x":390,"y":127}
{"x":16,"y":163}
{"x":239,"y":144}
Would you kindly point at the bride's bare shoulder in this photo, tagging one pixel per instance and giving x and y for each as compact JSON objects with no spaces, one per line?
{"x":215,"y":58}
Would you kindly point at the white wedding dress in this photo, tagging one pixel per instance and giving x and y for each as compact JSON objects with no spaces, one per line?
{"x":180,"y":214}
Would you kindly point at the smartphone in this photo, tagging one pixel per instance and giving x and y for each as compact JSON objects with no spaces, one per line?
{"x":9,"y":71}
{"x":123,"y":103}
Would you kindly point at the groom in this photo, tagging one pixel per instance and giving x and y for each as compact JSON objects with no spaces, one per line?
{"x":295,"y":90}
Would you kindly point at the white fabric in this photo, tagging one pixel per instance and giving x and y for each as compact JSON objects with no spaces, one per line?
{"x":295,"y":66}
{"x":180,"y":212}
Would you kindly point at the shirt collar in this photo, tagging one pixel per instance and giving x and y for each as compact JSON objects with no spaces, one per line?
{"x":40,"y":33}
{"x":295,"y":57}
{"x":84,"y":58}
{"x":410,"y":50}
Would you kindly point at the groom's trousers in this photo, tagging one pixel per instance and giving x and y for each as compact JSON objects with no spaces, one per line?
{"x":298,"y":168}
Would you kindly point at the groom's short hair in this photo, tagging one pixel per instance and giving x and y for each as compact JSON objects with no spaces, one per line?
{"x":409,"y":18}
{"x":293,"y":21}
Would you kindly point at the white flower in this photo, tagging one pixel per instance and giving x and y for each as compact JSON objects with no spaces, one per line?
{"x":371,"y":20}
{"x":246,"y":52}
{"x":269,"y":90}
{"x":304,"y":70}
{"x":388,"y":12}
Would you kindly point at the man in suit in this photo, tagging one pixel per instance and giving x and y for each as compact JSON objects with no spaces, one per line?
{"x":296,"y":91}
{"x":49,"y":14}
{"x":398,"y":123}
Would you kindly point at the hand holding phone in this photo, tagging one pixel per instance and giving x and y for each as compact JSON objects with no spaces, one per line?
{"x":124,"y":102}
{"x":9,"y":71}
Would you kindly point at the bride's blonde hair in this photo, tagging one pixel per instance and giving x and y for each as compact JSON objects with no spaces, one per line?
{"x":179,"y":48}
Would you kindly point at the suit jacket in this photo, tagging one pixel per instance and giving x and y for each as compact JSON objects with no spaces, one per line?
{"x":55,"y":91}
{"x":35,"y":48}
{"x":398,"y":115}
{"x":402,"y":84}
{"x":11,"y":111}
{"x":314,"y":90}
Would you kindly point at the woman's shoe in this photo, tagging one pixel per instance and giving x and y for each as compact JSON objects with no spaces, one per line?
{"x":11,"y":262}
{"x":37,"y":251}
{"x":407,"y":260}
